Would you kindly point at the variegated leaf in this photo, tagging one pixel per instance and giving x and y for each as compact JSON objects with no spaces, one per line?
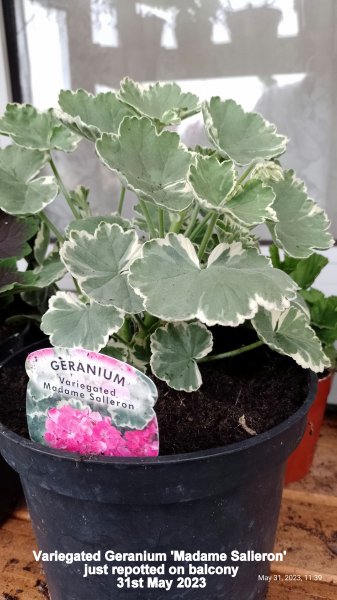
{"x":302,"y":225}
{"x":152,"y":165}
{"x":289,"y":333}
{"x":214,"y":186}
{"x":90,"y":224}
{"x":72,"y":323}
{"x":243,"y":136}
{"x":89,"y":115}
{"x":212,"y":181}
{"x":20,"y":192}
{"x":50,"y":271}
{"x":33,"y":129}
{"x":175,"y":350}
{"x":100,"y":262}
{"x":41,"y":243}
{"x":227,"y":291}
{"x":164,"y":103}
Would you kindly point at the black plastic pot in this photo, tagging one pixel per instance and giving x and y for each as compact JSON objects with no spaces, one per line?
{"x":213,"y":501}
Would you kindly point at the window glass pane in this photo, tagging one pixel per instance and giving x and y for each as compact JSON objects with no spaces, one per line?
{"x":278,"y":57}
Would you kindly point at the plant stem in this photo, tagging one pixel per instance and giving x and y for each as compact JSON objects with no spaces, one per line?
{"x":63,"y":189}
{"x":207,"y":236}
{"x":245,"y":174}
{"x":121,"y":200}
{"x":161,"y":223}
{"x":51,"y":226}
{"x":200,"y":226}
{"x":231,"y":353}
{"x":78,"y":289}
{"x":147,"y":216}
{"x":120,"y":339}
{"x":140,"y":322}
{"x":193,"y":220}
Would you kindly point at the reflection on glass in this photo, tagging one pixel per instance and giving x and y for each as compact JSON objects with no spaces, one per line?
{"x":277,"y":56}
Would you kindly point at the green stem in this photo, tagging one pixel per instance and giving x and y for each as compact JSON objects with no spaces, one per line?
{"x":51,"y":226}
{"x":78,"y":289}
{"x":200,"y":227}
{"x":147,"y":216}
{"x":161,"y":223}
{"x":140,"y":322}
{"x":231,"y":353}
{"x":207,"y":236}
{"x":193,"y":220}
{"x":245,"y":174}
{"x":63,"y":189}
{"x":121,"y":200}
{"x":120,"y":339}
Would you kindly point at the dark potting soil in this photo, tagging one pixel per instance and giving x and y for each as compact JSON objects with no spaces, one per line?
{"x":250,"y":393}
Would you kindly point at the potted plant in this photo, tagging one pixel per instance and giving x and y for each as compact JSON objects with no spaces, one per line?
{"x":323,"y":318}
{"x":253,"y":24}
{"x":184,"y":294}
{"x":194,"y":24}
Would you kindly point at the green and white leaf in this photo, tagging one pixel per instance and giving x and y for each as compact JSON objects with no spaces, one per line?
{"x":152,"y":165}
{"x":302,"y":226}
{"x":89,"y":115}
{"x":41,"y":243}
{"x":243,"y":136}
{"x":90,"y":224}
{"x":266,"y":171}
{"x":289,"y":333}
{"x":14,"y":234}
{"x":227,"y":291}
{"x":164,"y":103}
{"x":72,"y":323}
{"x":253,"y":204}
{"x":175,"y":350}
{"x":33,"y":129}
{"x":100,"y":263}
{"x":230,"y":230}
{"x":51,"y":270}
{"x":20,"y":193}
{"x":212,"y":181}
{"x":301,"y":305}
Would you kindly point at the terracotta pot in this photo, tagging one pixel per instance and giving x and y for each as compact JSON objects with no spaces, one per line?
{"x":300,"y":461}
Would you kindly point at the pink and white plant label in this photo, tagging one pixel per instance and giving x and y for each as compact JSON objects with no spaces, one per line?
{"x":86,"y":402}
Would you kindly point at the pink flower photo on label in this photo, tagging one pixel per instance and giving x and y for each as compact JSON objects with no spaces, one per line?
{"x":88,"y":432}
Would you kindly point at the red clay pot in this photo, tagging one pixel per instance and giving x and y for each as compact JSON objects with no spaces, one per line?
{"x":300,"y":461}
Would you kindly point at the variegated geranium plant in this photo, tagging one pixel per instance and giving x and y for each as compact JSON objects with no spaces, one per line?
{"x":148,"y":290}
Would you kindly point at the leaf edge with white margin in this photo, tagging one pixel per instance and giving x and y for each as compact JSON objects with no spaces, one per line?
{"x":315,"y":209}
{"x":72,"y":299}
{"x":276,"y":315}
{"x":192,"y":255}
{"x":124,"y":181}
{"x":207,"y":118}
{"x":73,"y":145}
{"x":154,"y":352}
{"x":143,"y":88}
{"x":71,"y":244}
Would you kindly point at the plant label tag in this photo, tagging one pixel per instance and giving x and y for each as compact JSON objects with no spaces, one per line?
{"x":86,"y":402}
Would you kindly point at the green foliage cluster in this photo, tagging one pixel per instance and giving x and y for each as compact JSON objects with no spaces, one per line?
{"x":149,"y":290}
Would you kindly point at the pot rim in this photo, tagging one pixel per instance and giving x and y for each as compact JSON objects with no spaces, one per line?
{"x":186,"y":457}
